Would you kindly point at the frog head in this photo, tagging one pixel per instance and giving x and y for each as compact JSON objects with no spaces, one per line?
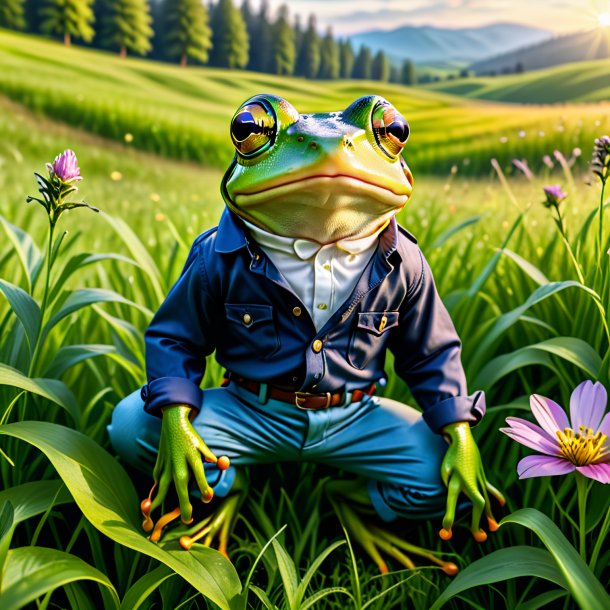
{"x":322,"y":177}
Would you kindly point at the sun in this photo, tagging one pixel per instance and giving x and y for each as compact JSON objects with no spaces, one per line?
{"x":604,"y":19}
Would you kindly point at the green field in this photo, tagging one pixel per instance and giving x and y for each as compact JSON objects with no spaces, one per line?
{"x":184,"y":114}
{"x":532,"y":319}
{"x":585,"y":81}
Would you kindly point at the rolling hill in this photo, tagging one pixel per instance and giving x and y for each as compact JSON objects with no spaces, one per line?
{"x":576,"y":82}
{"x":582,"y":46}
{"x":445,"y":46}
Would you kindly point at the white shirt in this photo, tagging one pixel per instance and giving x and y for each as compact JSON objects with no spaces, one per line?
{"x":322,"y":276}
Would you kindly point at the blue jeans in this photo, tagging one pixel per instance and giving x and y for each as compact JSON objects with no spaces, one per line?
{"x":380,"y":439}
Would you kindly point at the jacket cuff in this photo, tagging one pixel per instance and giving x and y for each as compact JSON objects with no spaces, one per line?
{"x":166,"y":391}
{"x":459,"y":408}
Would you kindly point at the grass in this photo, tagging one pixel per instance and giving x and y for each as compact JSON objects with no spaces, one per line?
{"x":184,"y":114}
{"x":490,"y":248}
{"x":585,"y":81}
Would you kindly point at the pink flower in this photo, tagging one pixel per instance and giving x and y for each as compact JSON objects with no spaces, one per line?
{"x":65,"y":167}
{"x":554,"y":195}
{"x":523,"y":167}
{"x":581,"y":445}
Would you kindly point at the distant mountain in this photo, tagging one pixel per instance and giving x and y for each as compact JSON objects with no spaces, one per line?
{"x":582,"y":46}
{"x":432,"y":45}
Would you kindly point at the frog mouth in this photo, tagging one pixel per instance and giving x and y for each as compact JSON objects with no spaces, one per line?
{"x":324,"y":183}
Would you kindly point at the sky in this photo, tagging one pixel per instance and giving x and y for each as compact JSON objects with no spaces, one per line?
{"x":352,"y":16}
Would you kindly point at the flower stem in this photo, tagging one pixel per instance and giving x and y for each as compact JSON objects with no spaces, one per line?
{"x":564,"y":238}
{"x":601,"y":222}
{"x":583,"y":491}
{"x":600,"y":540}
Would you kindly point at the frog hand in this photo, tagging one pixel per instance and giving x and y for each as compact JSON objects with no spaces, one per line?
{"x":462,"y":471}
{"x":181,"y":451}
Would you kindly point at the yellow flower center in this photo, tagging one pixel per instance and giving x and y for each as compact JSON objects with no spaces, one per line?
{"x":583,"y":448}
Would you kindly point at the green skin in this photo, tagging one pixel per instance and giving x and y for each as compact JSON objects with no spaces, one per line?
{"x":336,"y":180}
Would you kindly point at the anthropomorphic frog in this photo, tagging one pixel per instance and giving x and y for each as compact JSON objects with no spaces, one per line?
{"x":300,"y":290}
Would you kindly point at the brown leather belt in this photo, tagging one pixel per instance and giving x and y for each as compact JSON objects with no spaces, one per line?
{"x":303,"y":400}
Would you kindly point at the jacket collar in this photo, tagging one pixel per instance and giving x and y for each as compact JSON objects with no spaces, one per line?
{"x":231,"y":235}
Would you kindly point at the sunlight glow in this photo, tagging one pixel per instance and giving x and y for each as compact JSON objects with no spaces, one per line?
{"x":604,"y":19}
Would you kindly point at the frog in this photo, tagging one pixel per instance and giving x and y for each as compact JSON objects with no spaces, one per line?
{"x":310,"y":213}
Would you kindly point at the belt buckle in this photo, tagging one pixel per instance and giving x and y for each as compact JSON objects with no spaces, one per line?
{"x":302,"y":396}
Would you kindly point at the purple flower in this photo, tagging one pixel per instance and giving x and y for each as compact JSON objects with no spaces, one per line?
{"x":523,"y":167}
{"x":65,"y":167}
{"x":580,"y":445}
{"x":554,"y":195}
{"x":601,"y":158}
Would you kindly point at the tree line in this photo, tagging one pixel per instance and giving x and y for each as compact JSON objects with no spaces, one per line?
{"x":217,"y":34}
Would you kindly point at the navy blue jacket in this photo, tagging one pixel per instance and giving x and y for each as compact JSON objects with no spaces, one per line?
{"x":232,"y":299}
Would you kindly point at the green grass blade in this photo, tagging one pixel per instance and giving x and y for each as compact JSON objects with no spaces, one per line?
{"x":34,"y":571}
{"x":263,"y":597}
{"x":528,"y":268}
{"x":315,"y":564}
{"x":288,"y":572}
{"x":31,"y":499}
{"x":588,"y":592}
{"x":70,"y":355}
{"x":52,"y":389}
{"x":504,"y":564}
{"x":26,"y":309}
{"x":451,"y":231}
{"x":107,"y":498}
{"x":544,"y":600}
{"x":311,"y":601}
{"x":142,"y":588}
{"x":7,"y":527}
{"x":27,"y":252}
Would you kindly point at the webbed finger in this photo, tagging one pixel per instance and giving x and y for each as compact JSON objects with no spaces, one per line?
{"x":207,"y":453}
{"x":478,"y":506}
{"x":164,"y":483}
{"x":453,"y":491}
{"x":207,"y":493}
{"x":181,"y":479}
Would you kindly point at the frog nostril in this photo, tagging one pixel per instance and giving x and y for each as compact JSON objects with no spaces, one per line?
{"x":313,"y":145}
{"x":300,"y":138}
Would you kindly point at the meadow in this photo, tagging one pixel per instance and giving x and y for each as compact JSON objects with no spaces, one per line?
{"x":529,"y":302}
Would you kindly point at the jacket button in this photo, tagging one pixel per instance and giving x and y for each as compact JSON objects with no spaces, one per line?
{"x":247,"y":319}
{"x":317,"y":346}
{"x":144,"y":393}
{"x":297,"y":311}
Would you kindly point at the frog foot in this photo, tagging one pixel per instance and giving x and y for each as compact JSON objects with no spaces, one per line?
{"x":350,"y":500}
{"x":216,"y":526}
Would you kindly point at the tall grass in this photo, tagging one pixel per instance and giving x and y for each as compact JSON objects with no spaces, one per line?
{"x":528,"y":323}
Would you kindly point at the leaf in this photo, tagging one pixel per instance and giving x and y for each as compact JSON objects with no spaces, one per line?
{"x":263,"y":597}
{"x":7,"y":526}
{"x":543,"y":600}
{"x":52,"y":389}
{"x":27,"y":251}
{"x":107,"y":498}
{"x":571,"y":349}
{"x":32,"y":571}
{"x":580,"y":581}
{"x":501,"y":324}
{"x":451,"y":231}
{"x":288,"y":573}
{"x":142,"y":588}
{"x":528,"y":268}
{"x":33,"y":498}
{"x":83,"y":297}
{"x":68,"y":356}
{"x":315,"y":564}
{"x":504,"y":564}
{"x":311,"y":601}
{"x":26,"y":309}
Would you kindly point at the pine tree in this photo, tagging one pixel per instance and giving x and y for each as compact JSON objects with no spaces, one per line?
{"x":230,"y":46}
{"x":283,"y":44}
{"x":68,"y":18}
{"x":308,"y":62}
{"x":187,"y":31}
{"x":32,"y":15}
{"x":395,"y":74}
{"x":12,"y":14}
{"x":408,"y":76}
{"x":362,"y":64}
{"x":261,"y":41}
{"x":126,"y":25}
{"x":329,"y":54}
{"x":346,"y":59}
{"x":380,"y":68}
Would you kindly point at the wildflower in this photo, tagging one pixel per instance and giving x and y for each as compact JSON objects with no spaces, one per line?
{"x":522,"y":133}
{"x":116,"y":176}
{"x":503,"y":140}
{"x":64,"y":172}
{"x":554,"y":196}
{"x":581,"y":444}
{"x":155,"y":197}
{"x":128,"y":137}
{"x":548,"y":161}
{"x":65,"y":167}
{"x":601,"y":158}
{"x":523,"y":167}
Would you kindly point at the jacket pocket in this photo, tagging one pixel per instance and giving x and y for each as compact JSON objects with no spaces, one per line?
{"x":251,"y":331}
{"x":369,"y":336}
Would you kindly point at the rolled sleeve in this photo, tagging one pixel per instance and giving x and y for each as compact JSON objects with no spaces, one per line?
{"x":178,"y":340}
{"x":427,"y":353}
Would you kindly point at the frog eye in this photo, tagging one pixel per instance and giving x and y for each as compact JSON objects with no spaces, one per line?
{"x":390,"y":128}
{"x":253,"y":129}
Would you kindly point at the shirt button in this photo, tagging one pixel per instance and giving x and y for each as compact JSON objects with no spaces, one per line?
{"x":317,"y":345}
{"x":326,"y":266}
{"x":322,"y":306}
{"x":297,"y":311}
{"x":247,"y":319}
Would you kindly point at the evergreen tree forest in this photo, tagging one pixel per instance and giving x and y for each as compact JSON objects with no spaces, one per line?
{"x":217,"y":33}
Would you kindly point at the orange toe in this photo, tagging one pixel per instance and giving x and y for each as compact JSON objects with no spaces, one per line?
{"x":450,"y":569}
{"x":480,"y":536}
{"x":445,"y":534}
{"x":223,"y":462}
{"x":493,"y":524}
